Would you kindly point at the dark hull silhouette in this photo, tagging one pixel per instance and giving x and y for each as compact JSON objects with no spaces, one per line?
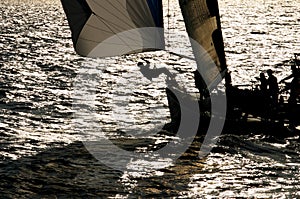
{"x":247,"y":112}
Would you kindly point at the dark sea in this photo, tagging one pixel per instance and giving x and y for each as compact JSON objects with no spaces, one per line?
{"x":43,"y":139}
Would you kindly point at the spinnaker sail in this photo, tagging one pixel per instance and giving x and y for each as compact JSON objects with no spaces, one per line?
{"x":202,"y":21}
{"x":103,"y":28}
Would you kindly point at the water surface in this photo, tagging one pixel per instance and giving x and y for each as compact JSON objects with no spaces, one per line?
{"x":40,"y":149}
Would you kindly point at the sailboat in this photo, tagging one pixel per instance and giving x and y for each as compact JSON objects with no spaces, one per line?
{"x":105,"y":28}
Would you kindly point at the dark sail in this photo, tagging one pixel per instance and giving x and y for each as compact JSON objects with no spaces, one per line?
{"x":202,"y":20}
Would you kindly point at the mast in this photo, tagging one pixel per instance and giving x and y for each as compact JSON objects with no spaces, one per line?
{"x":203,"y":25}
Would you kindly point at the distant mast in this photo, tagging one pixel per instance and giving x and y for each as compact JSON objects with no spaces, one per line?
{"x":202,"y":20}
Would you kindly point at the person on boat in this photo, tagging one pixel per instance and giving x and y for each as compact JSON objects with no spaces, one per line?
{"x":201,"y":85}
{"x":263,"y":83}
{"x":273,"y":89}
{"x":146,"y":71}
{"x":228,"y":80}
{"x":153,"y":73}
{"x":231,"y":91}
{"x":293,"y":99}
{"x":262,"y":95}
{"x":294,"y":88}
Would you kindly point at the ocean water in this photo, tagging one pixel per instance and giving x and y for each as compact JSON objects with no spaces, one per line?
{"x":41,"y":150}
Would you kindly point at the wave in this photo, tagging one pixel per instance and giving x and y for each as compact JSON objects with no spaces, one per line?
{"x":278,"y":149}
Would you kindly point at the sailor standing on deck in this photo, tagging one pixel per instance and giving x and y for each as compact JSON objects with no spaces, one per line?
{"x":263,"y":92}
{"x":273,"y":89}
{"x":263,"y":83}
{"x":294,"y":86}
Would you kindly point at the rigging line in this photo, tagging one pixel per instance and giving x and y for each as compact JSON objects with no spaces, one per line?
{"x":168,"y":30}
{"x":168,"y":19}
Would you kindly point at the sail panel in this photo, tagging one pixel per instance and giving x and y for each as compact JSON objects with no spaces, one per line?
{"x":109,"y":19}
{"x":203,"y":25}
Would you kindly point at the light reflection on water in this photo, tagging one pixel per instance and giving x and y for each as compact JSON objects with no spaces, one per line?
{"x":38,"y":66}
{"x":240,"y":176}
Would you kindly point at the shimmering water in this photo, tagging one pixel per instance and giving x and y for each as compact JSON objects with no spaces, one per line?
{"x":40,"y":149}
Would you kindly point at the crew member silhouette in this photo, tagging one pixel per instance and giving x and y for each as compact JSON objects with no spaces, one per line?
{"x":273,"y":88}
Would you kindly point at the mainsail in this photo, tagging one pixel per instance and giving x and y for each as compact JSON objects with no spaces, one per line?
{"x":202,"y":21}
{"x":103,"y":28}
